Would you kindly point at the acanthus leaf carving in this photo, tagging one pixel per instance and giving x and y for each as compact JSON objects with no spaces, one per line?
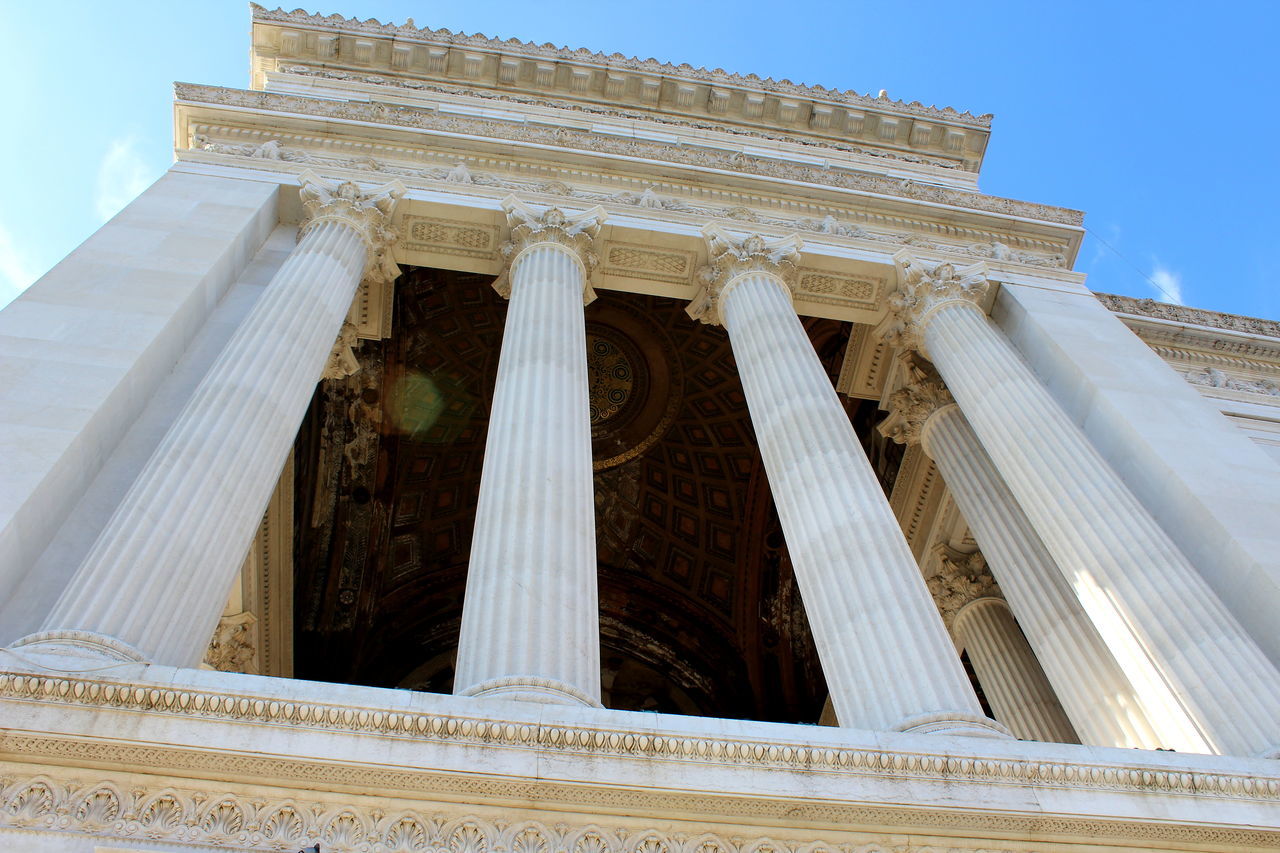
{"x":529,"y":226}
{"x":731,"y":257}
{"x":961,"y":579}
{"x":910,"y":407}
{"x":367,"y":212}
{"x":922,"y":290}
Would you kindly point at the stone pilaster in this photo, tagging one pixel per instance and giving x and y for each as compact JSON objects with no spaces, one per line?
{"x":886,"y":656}
{"x":1165,"y":627}
{"x":530,"y":621}
{"x":980,"y":620}
{"x":1097,"y":697}
{"x":153,"y":585}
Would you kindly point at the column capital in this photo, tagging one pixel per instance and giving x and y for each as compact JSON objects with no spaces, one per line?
{"x":731,"y":257}
{"x":922,"y":289}
{"x":912,"y":405}
{"x":368,"y":212}
{"x":961,"y":579}
{"x":530,"y":226}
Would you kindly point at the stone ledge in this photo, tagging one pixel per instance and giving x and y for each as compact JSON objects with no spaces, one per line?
{"x":212,"y":725}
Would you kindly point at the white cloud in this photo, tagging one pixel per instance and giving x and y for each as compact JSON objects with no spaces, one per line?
{"x":15,"y":268}
{"x":122,"y":175}
{"x":1168,"y":284}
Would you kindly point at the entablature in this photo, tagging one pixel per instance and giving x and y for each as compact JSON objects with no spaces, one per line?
{"x":411,"y":57}
{"x":1230,"y":358}
{"x":459,"y":168}
{"x":360,"y":748}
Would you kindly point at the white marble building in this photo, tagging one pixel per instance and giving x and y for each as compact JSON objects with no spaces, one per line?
{"x":956,"y":453}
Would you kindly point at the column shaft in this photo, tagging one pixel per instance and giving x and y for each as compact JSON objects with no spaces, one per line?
{"x":886,"y":655}
{"x":1166,"y":628}
{"x":158,"y":575}
{"x":530,"y":622}
{"x":1094,"y":692}
{"x":1012,"y":680}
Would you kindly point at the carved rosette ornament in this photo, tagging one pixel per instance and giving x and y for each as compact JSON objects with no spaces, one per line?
{"x":732,"y":258}
{"x":961,"y":579}
{"x":922,"y":290}
{"x":531,"y":226}
{"x":368,"y":212}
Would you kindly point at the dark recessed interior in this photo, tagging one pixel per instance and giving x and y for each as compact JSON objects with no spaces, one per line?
{"x":699,"y":608}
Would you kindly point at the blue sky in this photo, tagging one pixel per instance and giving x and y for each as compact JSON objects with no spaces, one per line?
{"x":1159,"y":120}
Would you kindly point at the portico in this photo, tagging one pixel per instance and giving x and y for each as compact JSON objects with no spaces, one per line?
{"x":572,"y":414}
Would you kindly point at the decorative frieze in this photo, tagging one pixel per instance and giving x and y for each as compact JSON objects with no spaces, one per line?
{"x":399,"y":115}
{"x":824,"y":287}
{"x":635,"y":261}
{"x":1191,"y":316}
{"x":450,"y":237}
{"x":120,"y":809}
{"x":412,"y":164}
{"x":574,"y":80}
{"x":1211,"y":377}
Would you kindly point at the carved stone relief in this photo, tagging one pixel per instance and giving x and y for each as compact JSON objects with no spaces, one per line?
{"x":122,"y":810}
{"x":1045,"y":255}
{"x":736,"y":161}
{"x":450,"y":237}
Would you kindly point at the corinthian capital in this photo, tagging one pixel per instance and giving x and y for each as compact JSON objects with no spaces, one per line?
{"x":922,"y":289}
{"x":911,"y":406}
{"x":731,"y":257}
{"x":530,"y":226}
{"x":961,"y":578}
{"x":368,"y":212}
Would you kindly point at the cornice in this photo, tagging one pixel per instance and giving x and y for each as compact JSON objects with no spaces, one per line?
{"x":489,"y":728}
{"x":1189,"y":316}
{"x":585,"y":141}
{"x":616,"y":111}
{"x":409,"y":31}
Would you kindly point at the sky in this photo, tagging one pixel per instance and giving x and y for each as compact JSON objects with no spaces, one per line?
{"x":1160,"y":120}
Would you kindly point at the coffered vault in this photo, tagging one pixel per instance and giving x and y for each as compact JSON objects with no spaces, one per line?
{"x":515,"y":390}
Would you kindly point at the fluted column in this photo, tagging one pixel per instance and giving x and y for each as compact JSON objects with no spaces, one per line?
{"x":1096,"y":695}
{"x":154,"y":583}
{"x":530,"y":619}
{"x":1165,"y":627}
{"x":979,"y":618}
{"x":887,"y":658}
